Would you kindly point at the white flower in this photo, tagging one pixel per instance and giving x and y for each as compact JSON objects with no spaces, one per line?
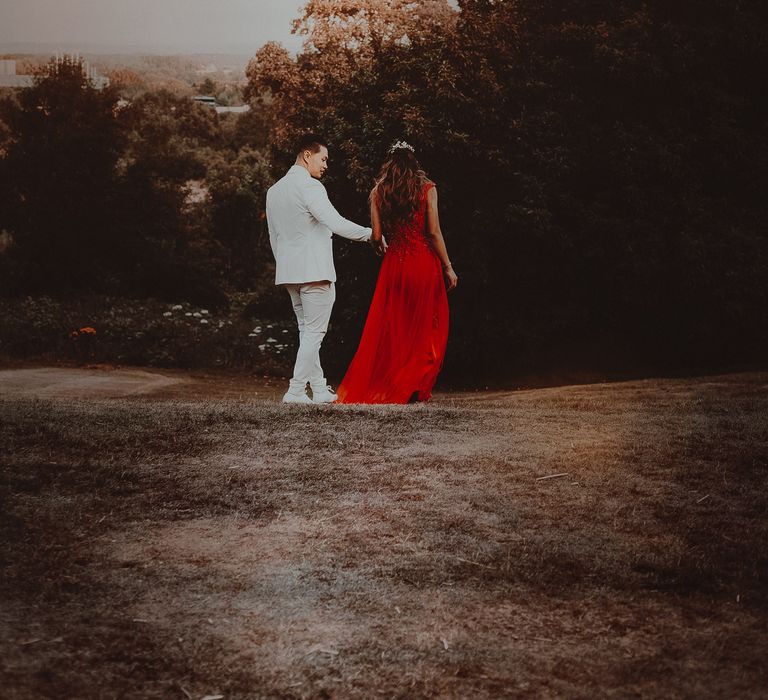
{"x":269,"y":326}
{"x":271,"y":340}
{"x":197,"y":315}
{"x":262,"y":347}
{"x":202,"y":320}
{"x":203,"y":311}
{"x":167,"y":313}
{"x":176,"y":307}
{"x":189,"y":313}
{"x":285,"y":330}
{"x":251,"y":335}
{"x":256,"y":330}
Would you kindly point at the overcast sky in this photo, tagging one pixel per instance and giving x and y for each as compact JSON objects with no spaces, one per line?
{"x":159,"y":26}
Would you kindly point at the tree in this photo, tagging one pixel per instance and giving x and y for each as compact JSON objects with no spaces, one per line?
{"x":207,"y":87}
{"x":95,"y":196}
{"x":59,"y":178}
{"x":127,"y":82}
{"x":238,"y":234}
{"x":169,"y":142}
{"x":344,"y":43}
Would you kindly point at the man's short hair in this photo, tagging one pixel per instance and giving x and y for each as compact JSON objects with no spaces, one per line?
{"x":310,"y":142}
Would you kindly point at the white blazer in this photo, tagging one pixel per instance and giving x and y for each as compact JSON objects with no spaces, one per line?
{"x":301,"y":221}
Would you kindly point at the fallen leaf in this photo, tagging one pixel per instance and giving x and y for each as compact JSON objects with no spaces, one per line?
{"x":551,"y":476}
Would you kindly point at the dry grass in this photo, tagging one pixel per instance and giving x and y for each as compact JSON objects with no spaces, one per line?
{"x":178,"y":548}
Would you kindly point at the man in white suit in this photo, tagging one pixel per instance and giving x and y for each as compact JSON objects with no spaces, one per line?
{"x":301,"y":221}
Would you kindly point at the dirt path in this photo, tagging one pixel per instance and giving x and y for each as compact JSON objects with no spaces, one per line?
{"x":56,"y":382}
{"x":103,"y":381}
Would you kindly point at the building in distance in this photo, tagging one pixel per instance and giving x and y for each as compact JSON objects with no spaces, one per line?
{"x":10,"y":78}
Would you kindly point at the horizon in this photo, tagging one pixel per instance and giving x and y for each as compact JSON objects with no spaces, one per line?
{"x":164,"y":27}
{"x":151,"y":27}
{"x":15,"y":51}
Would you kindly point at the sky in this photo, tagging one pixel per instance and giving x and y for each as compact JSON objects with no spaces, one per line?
{"x":157,"y":26}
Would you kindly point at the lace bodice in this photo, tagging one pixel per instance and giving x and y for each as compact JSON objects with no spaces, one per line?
{"x":409,"y":235}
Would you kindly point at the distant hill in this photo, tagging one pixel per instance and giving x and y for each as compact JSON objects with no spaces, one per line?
{"x":29,"y":48}
{"x":222,"y":75}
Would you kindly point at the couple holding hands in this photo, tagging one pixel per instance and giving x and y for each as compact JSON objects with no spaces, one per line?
{"x":403,"y":343}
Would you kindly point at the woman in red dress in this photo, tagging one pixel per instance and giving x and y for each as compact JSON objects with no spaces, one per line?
{"x":404,"y":338}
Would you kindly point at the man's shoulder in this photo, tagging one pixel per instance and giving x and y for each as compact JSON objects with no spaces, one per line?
{"x":314,"y":187}
{"x":279,"y":186}
{"x":278,"y":182}
{"x":272,"y":191}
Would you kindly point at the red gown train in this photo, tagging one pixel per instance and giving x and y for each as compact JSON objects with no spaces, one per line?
{"x":403,"y":343}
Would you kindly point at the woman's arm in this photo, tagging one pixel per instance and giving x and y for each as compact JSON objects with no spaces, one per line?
{"x":377,"y":239}
{"x":433,"y":229}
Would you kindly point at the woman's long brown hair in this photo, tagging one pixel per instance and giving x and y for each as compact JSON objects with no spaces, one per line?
{"x":399,"y":188}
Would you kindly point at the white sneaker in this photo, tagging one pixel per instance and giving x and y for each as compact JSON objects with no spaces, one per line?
{"x":323,"y":395}
{"x":291,"y":397}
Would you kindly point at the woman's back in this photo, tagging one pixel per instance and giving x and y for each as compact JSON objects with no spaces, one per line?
{"x":410,"y":233}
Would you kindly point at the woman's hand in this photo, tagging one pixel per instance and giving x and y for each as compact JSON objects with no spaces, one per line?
{"x":379,"y":245}
{"x":452,"y":277}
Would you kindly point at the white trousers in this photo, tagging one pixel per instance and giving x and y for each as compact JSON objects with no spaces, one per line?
{"x":312,"y":304}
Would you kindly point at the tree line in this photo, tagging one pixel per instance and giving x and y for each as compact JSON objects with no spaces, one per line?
{"x":156,"y":197}
{"x":601,"y":169}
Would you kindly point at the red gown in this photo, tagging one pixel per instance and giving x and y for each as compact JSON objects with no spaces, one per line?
{"x":404,"y":338}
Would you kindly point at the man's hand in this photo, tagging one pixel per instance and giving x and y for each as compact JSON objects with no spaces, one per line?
{"x":379,"y":245}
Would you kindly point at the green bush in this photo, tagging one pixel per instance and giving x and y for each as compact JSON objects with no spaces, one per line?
{"x":146,"y":332}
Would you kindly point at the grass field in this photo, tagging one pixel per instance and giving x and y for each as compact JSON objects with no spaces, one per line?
{"x":211,"y":545}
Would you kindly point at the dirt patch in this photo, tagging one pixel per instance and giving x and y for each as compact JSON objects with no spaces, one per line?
{"x":108,"y":381}
{"x":55,"y":382}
